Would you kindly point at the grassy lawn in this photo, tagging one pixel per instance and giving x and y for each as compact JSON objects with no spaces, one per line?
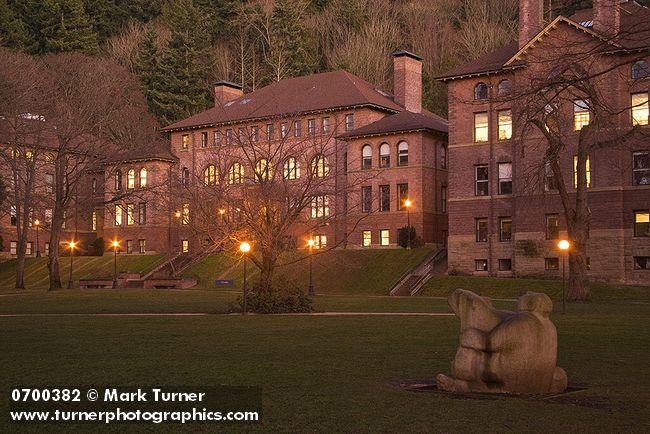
{"x":336,"y":374}
{"x":84,"y":267}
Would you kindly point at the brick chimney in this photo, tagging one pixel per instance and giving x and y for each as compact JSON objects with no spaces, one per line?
{"x":607,"y":16}
{"x":407,"y":80}
{"x":225,"y":91}
{"x":531,"y":20}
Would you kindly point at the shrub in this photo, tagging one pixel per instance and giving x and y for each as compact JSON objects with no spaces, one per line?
{"x":403,"y":237}
{"x":98,"y":247}
{"x":283,"y":297}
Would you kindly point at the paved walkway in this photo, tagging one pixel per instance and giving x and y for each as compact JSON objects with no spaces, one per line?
{"x":181,"y":314}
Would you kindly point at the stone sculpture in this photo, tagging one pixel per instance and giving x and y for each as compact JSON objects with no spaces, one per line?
{"x":502,"y":351}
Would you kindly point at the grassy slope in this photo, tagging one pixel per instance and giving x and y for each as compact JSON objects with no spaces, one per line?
{"x":323,"y":374}
{"x":36,"y":276}
{"x":355,"y":271}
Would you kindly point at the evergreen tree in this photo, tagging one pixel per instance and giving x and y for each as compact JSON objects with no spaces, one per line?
{"x":147,"y":68}
{"x":291,"y":38}
{"x":66,"y":27}
{"x":218,"y":16}
{"x":13,"y":31}
{"x":183,"y":72}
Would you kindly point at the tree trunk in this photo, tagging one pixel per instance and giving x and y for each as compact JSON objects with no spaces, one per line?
{"x":20,"y":268}
{"x":53,"y":267}
{"x":267,"y":270}
{"x":578,"y":282}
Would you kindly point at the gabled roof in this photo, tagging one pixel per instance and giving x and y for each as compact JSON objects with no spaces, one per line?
{"x":401,"y":122}
{"x":159,"y":151}
{"x":634,"y":35}
{"x":311,"y":93}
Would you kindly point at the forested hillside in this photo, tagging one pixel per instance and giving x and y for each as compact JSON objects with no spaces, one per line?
{"x":178,"y":48}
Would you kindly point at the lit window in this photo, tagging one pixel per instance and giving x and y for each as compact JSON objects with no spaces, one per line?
{"x":552,"y":226}
{"x":47,"y":249}
{"x":384,"y":155}
{"x":185,"y":141}
{"x":320,"y":241}
{"x":311,"y":127}
{"x":384,"y":237}
{"x":481,"y":264}
{"x":366,"y":199}
{"x":642,"y":223}
{"x":142,"y":213}
{"x":481,"y":180}
{"x":480,"y":127}
{"x":325,"y":125}
{"x":263,"y":170}
{"x":229,"y":136}
{"x":28,"y":248}
{"x":94,"y":221}
{"x":504,"y":118}
{"x":642,"y":262}
{"x":94,"y":185}
{"x":505,"y":88}
{"x":142,"y":245}
{"x":580,"y":114}
{"x":384,"y":198}
{"x":130,"y":178}
{"x":13,"y":214}
{"x":443,"y":199}
{"x":320,"y":207}
{"x":291,"y":168}
{"x":236,"y":174}
{"x":211,"y":175}
{"x":505,"y":229}
{"x":185,"y":246}
{"x":185,"y":214}
{"x":505,"y":178}
{"x":143,"y":177}
{"x":118,"y":215}
{"x":639,"y":70}
{"x":13,"y":248}
{"x":320,"y":166}
{"x":640,"y":108}
{"x":480,"y":91}
{"x":403,"y":154}
{"x":402,"y":195}
{"x":129,"y":246}
{"x":575,"y":171}
{"x":551,"y":264}
{"x":297,"y":128}
{"x":366,"y":237}
{"x":349,"y":122}
{"x":505,"y":264}
{"x":366,"y":157}
{"x":130,"y":211}
{"x":118,"y":180}
{"x":641,"y":168}
{"x":481,"y":230}
{"x":204,"y":139}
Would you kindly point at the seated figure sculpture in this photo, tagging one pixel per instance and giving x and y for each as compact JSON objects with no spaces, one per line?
{"x":502,"y":351}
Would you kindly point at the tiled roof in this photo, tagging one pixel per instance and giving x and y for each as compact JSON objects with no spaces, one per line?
{"x":305,"y":94}
{"x":156,"y":151}
{"x":634,"y":34}
{"x":400,"y":122}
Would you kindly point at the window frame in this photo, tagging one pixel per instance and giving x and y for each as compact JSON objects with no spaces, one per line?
{"x":549,"y":231}
{"x":482,"y":127}
{"x":639,"y":107}
{"x":638,"y":226}
{"x":581,"y":114}
{"x":481,"y":91}
{"x":402,"y":195}
{"x":484,"y":268}
{"x":506,"y":220}
{"x":384,"y":237}
{"x":366,"y":199}
{"x":506,"y":180}
{"x":575,"y":171}
{"x":349,"y":122}
{"x":366,"y":238}
{"x":478,"y":183}
{"x":504,"y":124}
{"x":402,"y":153}
{"x":482,"y":229}
{"x":644,"y":177}
{"x":366,"y":157}
{"x":384,"y":198}
{"x":639,"y":70}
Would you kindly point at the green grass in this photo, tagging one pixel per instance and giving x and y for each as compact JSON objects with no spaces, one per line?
{"x":335,"y":374}
{"x":84,"y":267}
{"x":356,"y":271}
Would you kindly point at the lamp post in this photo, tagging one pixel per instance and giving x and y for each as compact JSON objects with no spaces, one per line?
{"x":116,"y":244}
{"x":310,"y":244}
{"x":245,"y":248}
{"x":407,"y":204}
{"x":37,"y":223}
{"x":223,"y":217}
{"x":564,"y":246}
{"x":177,"y":214}
{"x":71,"y":245}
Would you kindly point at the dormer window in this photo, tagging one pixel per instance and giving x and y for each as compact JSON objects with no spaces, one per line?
{"x":480,"y":91}
{"x":640,"y":70}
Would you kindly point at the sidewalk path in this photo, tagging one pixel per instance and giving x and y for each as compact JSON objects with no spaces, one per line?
{"x":181,"y":314}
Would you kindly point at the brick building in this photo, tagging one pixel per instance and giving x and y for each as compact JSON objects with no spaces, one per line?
{"x":505,"y":219}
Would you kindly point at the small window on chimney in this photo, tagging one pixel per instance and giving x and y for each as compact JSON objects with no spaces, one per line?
{"x":481,"y":91}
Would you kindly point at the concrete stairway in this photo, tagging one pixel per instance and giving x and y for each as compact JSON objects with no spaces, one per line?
{"x":413,"y":281}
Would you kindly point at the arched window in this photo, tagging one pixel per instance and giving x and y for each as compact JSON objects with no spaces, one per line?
{"x":291,"y":168}
{"x":118,"y":180}
{"x":320,"y":166}
{"x":130,"y":178}
{"x":640,"y":69}
{"x":481,"y":91}
{"x":384,"y":155}
{"x":211,"y":175}
{"x":263,"y":170}
{"x":236,"y":174}
{"x":185,"y":177}
{"x":505,"y":88}
{"x":403,"y":154}
{"x":143,"y":177}
{"x":366,"y":157}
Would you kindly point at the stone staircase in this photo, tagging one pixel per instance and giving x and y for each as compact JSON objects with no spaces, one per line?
{"x":410,"y":283}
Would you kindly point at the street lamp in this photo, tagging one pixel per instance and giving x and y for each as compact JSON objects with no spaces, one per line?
{"x":221,"y":213}
{"x":116,"y":244}
{"x":37,"y":223}
{"x":407,"y":204}
{"x":310,"y":244}
{"x":564,"y":246}
{"x":245,"y":248}
{"x":72,"y":246}
{"x":177,"y":214}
